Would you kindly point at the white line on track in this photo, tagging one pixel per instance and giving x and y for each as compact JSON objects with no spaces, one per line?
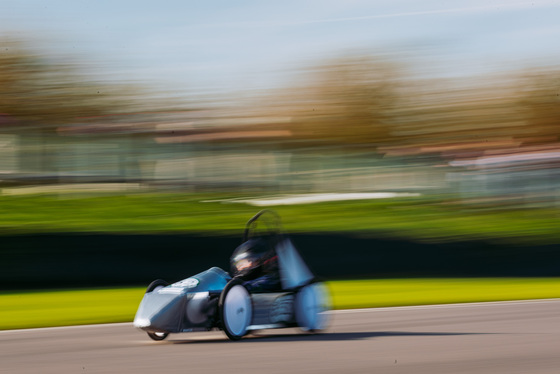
{"x":443,"y":306}
{"x":342,"y":311}
{"x":67,"y":327}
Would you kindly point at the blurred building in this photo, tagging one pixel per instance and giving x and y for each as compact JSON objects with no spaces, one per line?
{"x":525,"y":174}
{"x":215,"y":150}
{"x":198,"y":150}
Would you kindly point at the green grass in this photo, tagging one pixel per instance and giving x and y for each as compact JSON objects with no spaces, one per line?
{"x":416,"y":218}
{"x":401,"y":292}
{"x":71,"y":307}
{"x":77,"y":307}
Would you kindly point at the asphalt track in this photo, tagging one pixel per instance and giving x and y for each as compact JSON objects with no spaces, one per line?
{"x":511,"y":337}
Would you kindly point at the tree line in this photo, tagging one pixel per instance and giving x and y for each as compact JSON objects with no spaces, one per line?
{"x":351,"y":101}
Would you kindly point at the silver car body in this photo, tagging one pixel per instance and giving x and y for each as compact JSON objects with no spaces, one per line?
{"x":192,"y":303}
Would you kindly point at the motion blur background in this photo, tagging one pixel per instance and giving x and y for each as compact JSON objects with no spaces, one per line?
{"x":451,"y":101}
{"x":315,"y":97}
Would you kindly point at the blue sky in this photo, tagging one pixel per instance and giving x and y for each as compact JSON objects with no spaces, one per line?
{"x":224,"y":45}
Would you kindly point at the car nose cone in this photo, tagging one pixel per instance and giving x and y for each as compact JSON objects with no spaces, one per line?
{"x":159,"y":311}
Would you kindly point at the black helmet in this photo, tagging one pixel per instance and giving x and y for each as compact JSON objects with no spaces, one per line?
{"x":253,"y":258}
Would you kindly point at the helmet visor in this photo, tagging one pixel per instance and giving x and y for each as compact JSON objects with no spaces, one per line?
{"x":243,"y":264}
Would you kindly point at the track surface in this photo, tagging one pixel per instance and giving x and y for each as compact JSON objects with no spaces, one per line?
{"x":515,"y":337}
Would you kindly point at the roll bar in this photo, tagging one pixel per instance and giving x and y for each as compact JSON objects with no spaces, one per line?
{"x":270,"y":219}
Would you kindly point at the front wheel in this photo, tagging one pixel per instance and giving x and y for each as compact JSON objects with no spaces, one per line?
{"x":158,"y":336}
{"x":235,"y":309}
{"x":156,"y":285}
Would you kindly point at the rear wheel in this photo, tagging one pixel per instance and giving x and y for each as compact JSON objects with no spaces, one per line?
{"x":236,"y":310}
{"x":312,"y":303}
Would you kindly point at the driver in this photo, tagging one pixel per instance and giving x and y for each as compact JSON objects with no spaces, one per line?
{"x":255,"y":262}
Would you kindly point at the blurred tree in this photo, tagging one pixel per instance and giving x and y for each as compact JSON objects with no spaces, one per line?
{"x":454,"y":113}
{"x":38,"y":91}
{"x":360,"y":100}
{"x":352,"y":101}
{"x":540,"y":100}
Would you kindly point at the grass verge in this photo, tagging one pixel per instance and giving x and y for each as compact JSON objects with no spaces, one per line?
{"x":415,"y":218}
{"x":402,"y":292}
{"x":78,"y":307}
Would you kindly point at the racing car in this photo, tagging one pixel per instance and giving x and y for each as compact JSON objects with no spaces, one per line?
{"x":268,"y":288}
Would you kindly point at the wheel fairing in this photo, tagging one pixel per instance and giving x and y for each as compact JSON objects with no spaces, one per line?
{"x":311,"y":304}
{"x":237,"y":311}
